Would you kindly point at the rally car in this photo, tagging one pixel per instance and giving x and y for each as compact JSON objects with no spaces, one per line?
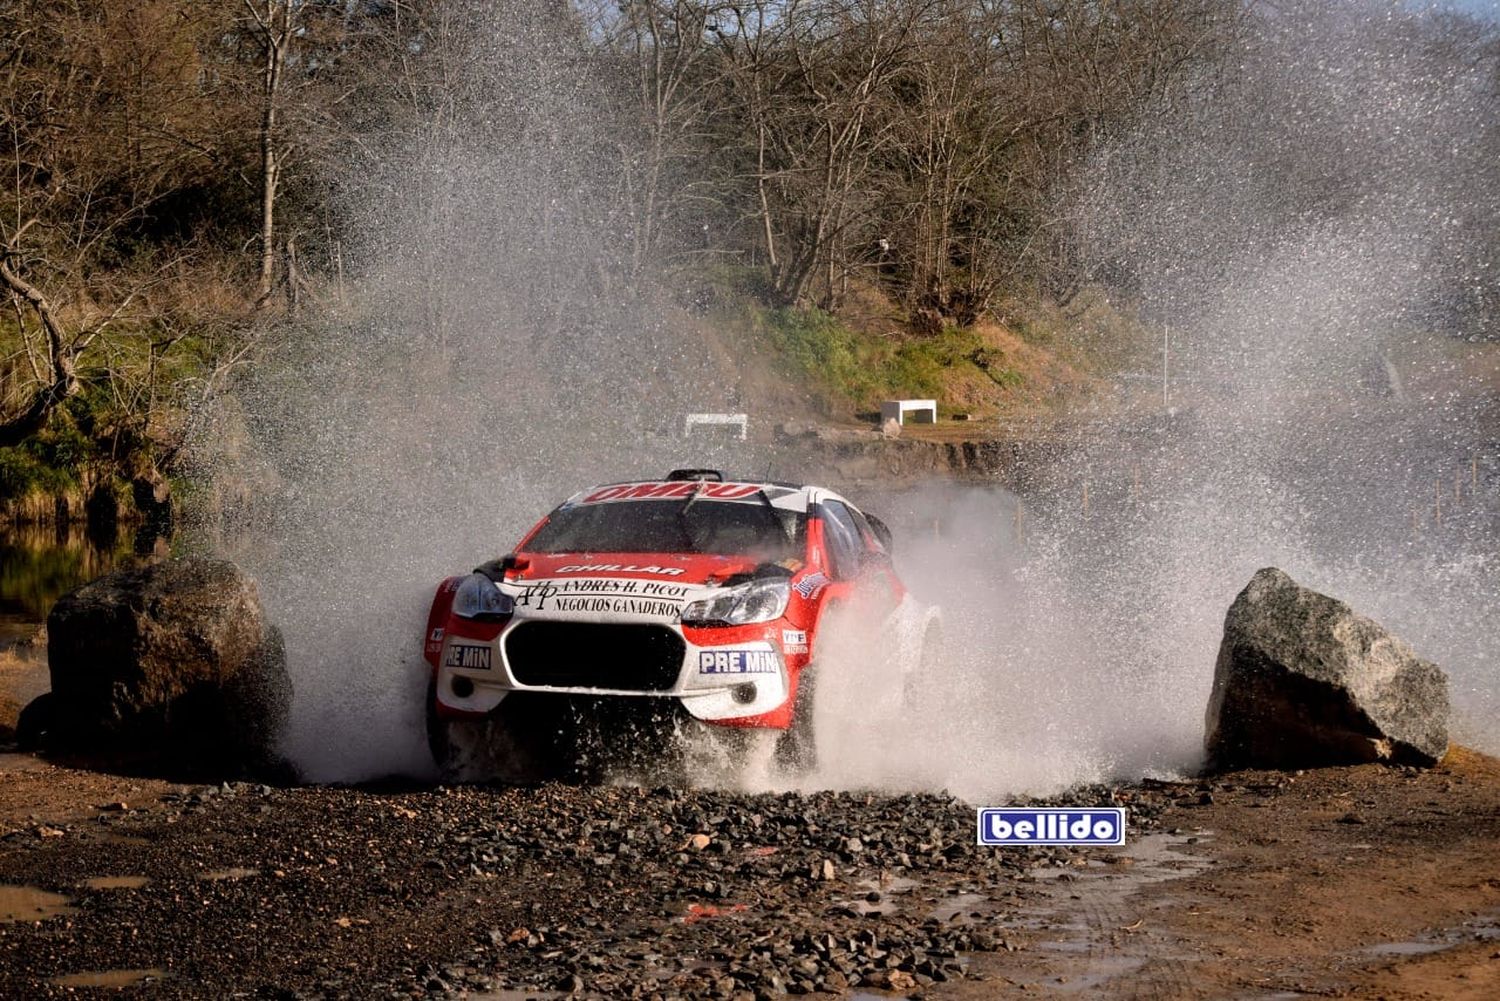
{"x":693,"y":598}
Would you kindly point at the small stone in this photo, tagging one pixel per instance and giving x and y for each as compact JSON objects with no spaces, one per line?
{"x":698,"y":842}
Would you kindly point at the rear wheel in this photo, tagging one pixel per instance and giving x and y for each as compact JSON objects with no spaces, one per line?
{"x":917,"y":679}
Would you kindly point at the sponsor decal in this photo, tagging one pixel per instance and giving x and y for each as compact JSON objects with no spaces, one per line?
{"x":620,"y":568}
{"x":604,"y":594}
{"x":620,"y":606}
{"x":811,"y":585}
{"x":1052,"y":825}
{"x":794,"y":640}
{"x":670,"y":491}
{"x":733,"y":661}
{"x":473,"y":658}
{"x":437,"y":635}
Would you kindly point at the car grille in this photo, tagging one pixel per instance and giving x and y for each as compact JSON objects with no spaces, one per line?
{"x":595,"y":655}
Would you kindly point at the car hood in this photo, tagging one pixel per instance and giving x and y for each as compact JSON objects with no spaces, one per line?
{"x":676,"y":568}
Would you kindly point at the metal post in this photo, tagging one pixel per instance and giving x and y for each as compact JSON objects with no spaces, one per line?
{"x":1166,"y":403}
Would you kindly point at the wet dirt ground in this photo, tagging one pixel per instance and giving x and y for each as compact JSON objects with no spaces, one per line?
{"x":1358,"y":882}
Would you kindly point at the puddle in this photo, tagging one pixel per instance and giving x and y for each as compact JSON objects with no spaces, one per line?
{"x":1082,"y":913}
{"x":108,"y":978}
{"x":116,"y":882}
{"x":27,"y":903}
{"x":1485,"y":929}
{"x":1407,"y":948}
{"x":218,"y":875}
{"x":1102,"y":969}
{"x":890,"y":884}
{"x":961,"y":903}
{"x":867,"y":908}
{"x":879,"y":896}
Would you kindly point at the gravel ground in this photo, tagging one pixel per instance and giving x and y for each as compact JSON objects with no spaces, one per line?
{"x":1355,"y":882}
{"x":624,"y":892}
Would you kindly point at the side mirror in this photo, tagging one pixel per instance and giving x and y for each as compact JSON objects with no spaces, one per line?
{"x":882,"y":532}
{"x":496,"y":570}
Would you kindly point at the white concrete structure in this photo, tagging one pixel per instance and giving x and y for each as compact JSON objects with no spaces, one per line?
{"x":691,"y":421}
{"x":922,"y":411}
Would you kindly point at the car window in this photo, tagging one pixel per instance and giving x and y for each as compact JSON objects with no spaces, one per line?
{"x":867,"y":533}
{"x":720,"y":528}
{"x":841,"y":536}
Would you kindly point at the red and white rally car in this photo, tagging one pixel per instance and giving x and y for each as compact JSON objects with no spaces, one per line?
{"x":692,"y":595}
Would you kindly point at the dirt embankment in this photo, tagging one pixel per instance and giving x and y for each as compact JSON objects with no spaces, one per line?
{"x":1358,"y":882}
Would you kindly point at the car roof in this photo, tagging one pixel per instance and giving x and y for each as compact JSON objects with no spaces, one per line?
{"x":783,"y":496}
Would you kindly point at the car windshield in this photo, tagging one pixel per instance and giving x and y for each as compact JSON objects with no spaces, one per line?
{"x":719,"y":528}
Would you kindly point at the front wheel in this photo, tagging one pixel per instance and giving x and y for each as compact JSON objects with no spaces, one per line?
{"x":479,"y":749}
{"x":797,"y":751}
{"x":456,"y":745}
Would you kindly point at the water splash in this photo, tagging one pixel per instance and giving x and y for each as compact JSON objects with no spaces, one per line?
{"x":1300,"y":221}
{"x":1309,"y":227}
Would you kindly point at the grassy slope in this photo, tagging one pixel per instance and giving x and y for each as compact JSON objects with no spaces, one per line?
{"x":1032,"y":360}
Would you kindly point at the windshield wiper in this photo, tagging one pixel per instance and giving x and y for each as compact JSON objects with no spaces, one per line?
{"x":682,"y":513}
{"x":776,"y":522}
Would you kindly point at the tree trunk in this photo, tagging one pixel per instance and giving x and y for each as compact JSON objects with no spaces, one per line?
{"x":60,"y":349}
{"x":277,"y":28}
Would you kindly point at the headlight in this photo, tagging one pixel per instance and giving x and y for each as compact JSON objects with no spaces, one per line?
{"x":757,"y":601}
{"x":478,"y":597}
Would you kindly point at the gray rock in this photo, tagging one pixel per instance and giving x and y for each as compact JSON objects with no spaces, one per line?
{"x":175,"y":657}
{"x":1302,"y":680}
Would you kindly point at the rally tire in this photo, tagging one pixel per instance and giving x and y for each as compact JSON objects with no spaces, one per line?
{"x":439,"y":739}
{"x":797,"y":751}
{"x":917,"y":679}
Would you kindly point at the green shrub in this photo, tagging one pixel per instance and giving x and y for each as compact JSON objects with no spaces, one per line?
{"x":21,"y":473}
{"x":860,"y":369}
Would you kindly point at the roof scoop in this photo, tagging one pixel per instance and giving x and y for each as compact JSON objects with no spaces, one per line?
{"x":681,"y":475}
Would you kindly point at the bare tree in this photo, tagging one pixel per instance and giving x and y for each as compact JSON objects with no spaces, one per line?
{"x":662,"y":55}
{"x":277,"y":24}
{"x":100,"y":121}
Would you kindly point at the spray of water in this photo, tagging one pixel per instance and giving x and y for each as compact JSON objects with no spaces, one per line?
{"x":1290,"y":223}
{"x":490,"y":368}
{"x":1299,"y":227}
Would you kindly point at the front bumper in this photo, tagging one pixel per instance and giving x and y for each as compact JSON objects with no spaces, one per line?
{"x":735,"y":676}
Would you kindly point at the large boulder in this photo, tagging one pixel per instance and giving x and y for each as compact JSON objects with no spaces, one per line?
{"x":176,"y":658}
{"x":1302,"y":681}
